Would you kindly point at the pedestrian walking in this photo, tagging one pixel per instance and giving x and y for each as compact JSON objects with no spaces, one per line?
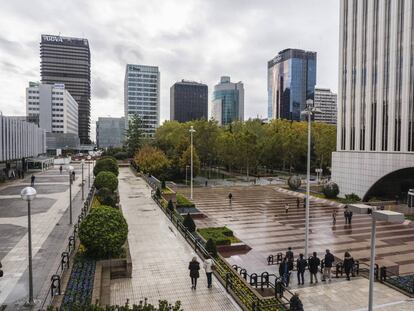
{"x":208,"y":266}
{"x":286,"y":208}
{"x":295,"y":304}
{"x":350,"y":217}
{"x":334,"y":216}
{"x":22,"y":173}
{"x":301,"y":265}
{"x":346,"y":215}
{"x":304,"y":202}
{"x":194,"y":268}
{"x":290,"y":258}
{"x":73,"y":176}
{"x":297,"y":202}
{"x":328,"y":261}
{"x":206,"y":183}
{"x":314,"y":263}
{"x":348,"y":265}
{"x":230,"y":197}
{"x":284,"y":272}
{"x":32,"y":180}
{"x":60,"y":169}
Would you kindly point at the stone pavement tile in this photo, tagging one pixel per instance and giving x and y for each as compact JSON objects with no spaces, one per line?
{"x":160,"y":256}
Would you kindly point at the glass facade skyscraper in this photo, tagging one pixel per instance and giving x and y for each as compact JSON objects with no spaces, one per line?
{"x":142,"y":96}
{"x":291,"y":81}
{"x":228,"y":101}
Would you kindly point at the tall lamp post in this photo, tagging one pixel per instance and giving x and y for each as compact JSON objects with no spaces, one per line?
{"x":388,"y":216}
{"x":83,"y":183}
{"x":89,"y":171}
{"x":69,"y":169}
{"x":192,"y":130}
{"x":186,"y":168}
{"x":309,"y":111}
{"x":29,"y":194}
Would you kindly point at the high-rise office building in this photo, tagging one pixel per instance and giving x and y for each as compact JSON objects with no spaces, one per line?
{"x":228,"y":101}
{"x":110,"y":132}
{"x":291,"y":80}
{"x":325,"y":101}
{"x":52,"y":108}
{"x":142,"y":96}
{"x":375,"y":142}
{"x":67,"y":61}
{"x":188,"y":101}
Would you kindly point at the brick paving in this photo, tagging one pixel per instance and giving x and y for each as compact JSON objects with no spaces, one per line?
{"x":50,"y":231}
{"x":160,"y":256}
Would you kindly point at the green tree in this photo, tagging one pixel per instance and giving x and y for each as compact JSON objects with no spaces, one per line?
{"x":189,"y":223}
{"x":106,"y":180}
{"x":134,"y":135}
{"x":211,"y":248}
{"x":324,"y":141}
{"x":186,"y":160}
{"x":106,"y":164}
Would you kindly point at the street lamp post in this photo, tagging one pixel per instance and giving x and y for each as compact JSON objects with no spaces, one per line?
{"x":309,"y":111}
{"x":83,"y":192}
{"x":192,"y":130}
{"x":388,"y":216}
{"x":186,"y":168}
{"x":29,"y":194}
{"x":89,"y":172}
{"x":69,"y":169}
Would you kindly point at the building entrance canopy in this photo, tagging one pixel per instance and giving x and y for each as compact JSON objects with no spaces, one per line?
{"x":39,"y":163}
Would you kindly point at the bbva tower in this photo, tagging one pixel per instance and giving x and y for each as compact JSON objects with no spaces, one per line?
{"x":375,"y":142}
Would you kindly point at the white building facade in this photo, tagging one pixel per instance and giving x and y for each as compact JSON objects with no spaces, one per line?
{"x":325,"y":101}
{"x":375,"y":125}
{"x":52,"y":107}
{"x":142,"y":96}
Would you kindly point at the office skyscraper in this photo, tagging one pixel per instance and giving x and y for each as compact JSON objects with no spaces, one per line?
{"x":110,"y":132}
{"x":375,"y":142}
{"x":228,"y":101}
{"x":325,"y":101}
{"x":67,"y":61}
{"x":188,"y":101}
{"x":142,"y":95}
{"x":291,"y":79}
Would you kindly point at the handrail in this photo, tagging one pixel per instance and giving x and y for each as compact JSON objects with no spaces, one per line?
{"x":55,"y":281}
{"x":404,"y":283}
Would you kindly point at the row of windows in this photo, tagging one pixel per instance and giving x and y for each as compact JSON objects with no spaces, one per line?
{"x":142,"y":84}
{"x":139,"y":75}
{"x":33,"y":97}
{"x":138,"y":91}
{"x":134,"y":98}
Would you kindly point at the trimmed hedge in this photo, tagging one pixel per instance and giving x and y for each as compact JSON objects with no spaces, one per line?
{"x":189,"y":223}
{"x":294,"y":182}
{"x":183,"y":201}
{"x":106,"y":164}
{"x":330,"y":190}
{"x":106,"y":180}
{"x":106,"y":197}
{"x":220,"y":235}
{"x":103,"y":232}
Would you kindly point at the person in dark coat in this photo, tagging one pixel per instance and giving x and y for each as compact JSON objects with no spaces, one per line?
{"x":295,"y":304}
{"x":297,"y":202}
{"x":328,"y":261}
{"x":346,"y":215}
{"x":32,"y":180}
{"x":284,"y":272}
{"x":314,"y":263}
{"x":230,"y":197}
{"x":73,"y":176}
{"x":290,"y":258}
{"x":301,"y":265}
{"x":350,"y":217}
{"x":194,"y":268}
{"x":348,"y":265}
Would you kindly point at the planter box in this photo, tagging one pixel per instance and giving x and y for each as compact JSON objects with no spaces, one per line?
{"x":233,"y":248}
{"x":171,"y":195}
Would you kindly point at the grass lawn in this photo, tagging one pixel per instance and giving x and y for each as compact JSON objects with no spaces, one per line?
{"x":221,"y":235}
{"x":409,"y":217}
{"x":167,"y":191}
{"x":183,"y":201}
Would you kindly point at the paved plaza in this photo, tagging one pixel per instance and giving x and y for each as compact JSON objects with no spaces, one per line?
{"x":160,"y":256}
{"x":257,"y":216}
{"x":50,"y":232}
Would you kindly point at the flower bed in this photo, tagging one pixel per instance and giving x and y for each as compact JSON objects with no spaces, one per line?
{"x":220,"y":235}
{"x":79,"y":289}
{"x":183,"y":201}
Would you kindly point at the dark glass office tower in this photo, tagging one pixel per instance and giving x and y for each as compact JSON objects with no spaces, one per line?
{"x":188,"y":101}
{"x":291,"y":81}
{"x":68,"y":61}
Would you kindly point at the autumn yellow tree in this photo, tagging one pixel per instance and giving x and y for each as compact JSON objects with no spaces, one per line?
{"x":152,"y":160}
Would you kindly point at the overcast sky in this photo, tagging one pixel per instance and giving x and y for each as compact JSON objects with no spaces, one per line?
{"x":198,"y":40}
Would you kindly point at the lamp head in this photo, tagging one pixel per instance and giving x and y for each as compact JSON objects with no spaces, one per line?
{"x":28,"y":194}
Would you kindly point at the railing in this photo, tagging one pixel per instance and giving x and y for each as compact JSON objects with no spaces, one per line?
{"x":234,"y":284}
{"x":56,"y":279}
{"x":402,"y":282}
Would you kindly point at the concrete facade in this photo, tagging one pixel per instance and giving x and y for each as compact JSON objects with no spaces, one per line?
{"x":376,"y":93}
{"x":110,"y":132}
{"x":325,"y":101}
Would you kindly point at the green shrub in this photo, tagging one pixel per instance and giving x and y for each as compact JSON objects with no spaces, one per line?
{"x":220,"y":235}
{"x":121,"y":155}
{"x":294,"y":182}
{"x":103,"y":232}
{"x":163,"y":186}
{"x":330,"y":190}
{"x":352,"y":198}
{"x":182,"y":201}
{"x":170,"y":207}
{"x":106,"y":197}
{"x":227,"y":232}
{"x":211,"y":248}
{"x":106,"y":180}
{"x":106,"y":164}
{"x":189,"y":223}
{"x":158,"y":193}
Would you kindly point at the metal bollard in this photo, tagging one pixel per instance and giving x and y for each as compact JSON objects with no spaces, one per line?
{"x":235,"y":267}
{"x":339,"y":269}
{"x":264,"y":279}
{"x":71,"y":243}
{"x":65,"y":260}
{"x":55,"y":285}
{"x":279,"y":258}
{"x":270,"y":260}
{"x":253,"y":280}
{"x":243,"y":273}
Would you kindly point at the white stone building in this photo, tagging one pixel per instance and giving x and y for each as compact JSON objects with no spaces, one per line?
{"x":375,"y":142}
{"x":325,"y":101}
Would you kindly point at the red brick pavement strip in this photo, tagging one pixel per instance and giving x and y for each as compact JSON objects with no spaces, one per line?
{"x":257,"y":216}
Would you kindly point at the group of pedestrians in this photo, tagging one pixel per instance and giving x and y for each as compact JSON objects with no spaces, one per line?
{"x":313,"y":264}
{"x":194,"y":267}
{"x":348,"y":216}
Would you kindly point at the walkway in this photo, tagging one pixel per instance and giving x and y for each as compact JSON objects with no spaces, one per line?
{"x":50,"y":231}
{"x":160,"y":256}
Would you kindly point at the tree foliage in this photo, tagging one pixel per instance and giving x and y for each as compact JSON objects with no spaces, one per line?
{"x":103,"y":232}
{"x":106,"y":164}
{"x":330,"y":190}
{"x":211,"y":247}
{"x":106,"y":180}
{"x":152,"y":160}
{"x":134,"y":135}
{"x":185,"y":160}
{"x":189,"y":223}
